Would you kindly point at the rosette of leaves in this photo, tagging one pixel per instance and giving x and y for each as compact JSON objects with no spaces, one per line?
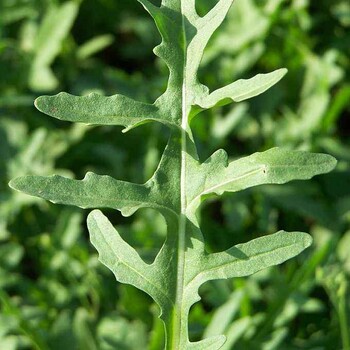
{"x":181,"y":182}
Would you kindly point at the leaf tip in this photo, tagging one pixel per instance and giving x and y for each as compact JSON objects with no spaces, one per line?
{"x":12,"y":184}
{"x":39,"y":103}
{"x":307,"y":240}
{"x":94,"y":216}
{"x":332,"y":162}
{"x":29,"y":184}
{"x":128,"y":211}
{"x":283,"y":72}
{"x":17,"y":183}
{"x":51,"y":105}
{"x":327,"y":163}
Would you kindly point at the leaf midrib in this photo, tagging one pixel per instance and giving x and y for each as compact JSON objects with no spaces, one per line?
{"x":180,"y":277}
{"x":263,"y":167}
{"x":223,"y":184}
{"x":110,"y":201}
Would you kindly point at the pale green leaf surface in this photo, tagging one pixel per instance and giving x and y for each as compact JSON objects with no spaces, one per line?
{"x":98,"y":109}
{"x":121,"y":110}
{"x":242,"y":89}
{"x":180,"y":181}
{"x":129,"y":268}
{"x":248,"y":258}
{"x":101,"y":191}
{"x":275,"y":166}
{"x":208,"y":344}
{"x":94,"y":191}
{"x":123,"y":260}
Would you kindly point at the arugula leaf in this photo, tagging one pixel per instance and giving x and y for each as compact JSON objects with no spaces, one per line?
{"x":181,"y":182}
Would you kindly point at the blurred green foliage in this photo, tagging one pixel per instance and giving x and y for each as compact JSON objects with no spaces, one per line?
{"x":53,"y":292}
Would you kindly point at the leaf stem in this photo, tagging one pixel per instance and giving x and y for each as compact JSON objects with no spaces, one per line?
{"x":180,"y":325}
{"x":343,"y":322}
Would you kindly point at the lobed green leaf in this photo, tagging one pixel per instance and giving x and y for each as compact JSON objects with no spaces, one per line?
{"x":94,"y":191}
{"x":275,"y":166}
{"x":123,"y":260}
{"x":248,"y":258}
{"x":180,"y":181}
{"x":242,"y":89}
{"x":98,"y":109}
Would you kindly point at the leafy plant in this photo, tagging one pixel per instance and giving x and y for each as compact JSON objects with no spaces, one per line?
{"x":181,"y":182}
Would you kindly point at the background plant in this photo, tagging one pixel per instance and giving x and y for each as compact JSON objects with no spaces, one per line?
{"x":240,"y":217}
